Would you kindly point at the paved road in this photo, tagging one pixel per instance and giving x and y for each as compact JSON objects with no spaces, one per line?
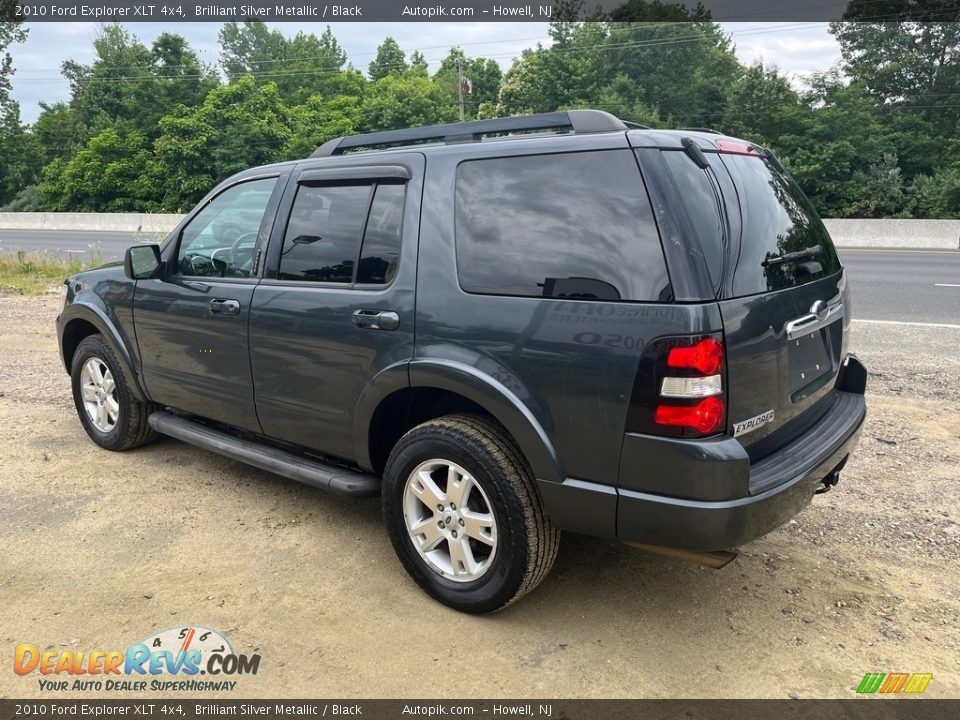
{"x":904,"y":285}
{"x":111,"y":245}
{"x":892,"y":285}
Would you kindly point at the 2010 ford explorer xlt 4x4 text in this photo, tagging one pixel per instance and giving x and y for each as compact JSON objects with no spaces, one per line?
{"x":506,"y":328}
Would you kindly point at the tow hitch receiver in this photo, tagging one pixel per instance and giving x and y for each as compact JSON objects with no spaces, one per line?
{"x":832,"y":479}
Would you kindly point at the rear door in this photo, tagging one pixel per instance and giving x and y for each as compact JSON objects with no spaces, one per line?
{"x":783,"y":303}
{"x":780,"y":287}
{"x":336,"y":306}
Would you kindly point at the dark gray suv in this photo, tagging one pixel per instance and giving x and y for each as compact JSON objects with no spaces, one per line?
{"x":505,"y":328}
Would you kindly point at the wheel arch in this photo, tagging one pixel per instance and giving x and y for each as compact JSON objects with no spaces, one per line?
{"x":79,"y":321}
{"x":437,"y":387}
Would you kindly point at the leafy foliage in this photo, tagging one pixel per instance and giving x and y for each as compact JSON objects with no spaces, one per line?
{"x":152,"y":128}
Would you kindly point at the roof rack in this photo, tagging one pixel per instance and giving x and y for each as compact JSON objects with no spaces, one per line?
{"x":579,"y":121}
{"x":704,"y":130}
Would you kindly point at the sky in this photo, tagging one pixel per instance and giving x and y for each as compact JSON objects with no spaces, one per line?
{"x":797,"y":48}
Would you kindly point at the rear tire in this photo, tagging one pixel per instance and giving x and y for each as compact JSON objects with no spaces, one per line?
{"x":113,"y":418}
{"x":485,"y":553}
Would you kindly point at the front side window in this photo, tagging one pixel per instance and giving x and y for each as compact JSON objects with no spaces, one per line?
{"x":571,"y":225}
{"x":220,"y":240}
{"x":344,"y":234}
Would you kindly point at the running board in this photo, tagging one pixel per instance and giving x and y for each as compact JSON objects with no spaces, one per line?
{"x":311,"y":472}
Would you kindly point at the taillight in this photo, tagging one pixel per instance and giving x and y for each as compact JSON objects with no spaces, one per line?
{"x":679,"y":389}
{"x":706,"y":356}
{"x":706,"y":416}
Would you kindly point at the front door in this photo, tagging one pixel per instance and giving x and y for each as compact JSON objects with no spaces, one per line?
{"x":191,"y":323}
{"x":336,"y":305}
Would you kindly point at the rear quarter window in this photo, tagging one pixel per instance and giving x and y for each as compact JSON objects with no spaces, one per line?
{"x":777,"y":218}
{"x":701,"y":199}
{"x":571,"y":225}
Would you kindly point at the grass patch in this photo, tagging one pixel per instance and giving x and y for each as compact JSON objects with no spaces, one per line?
{"x":34,"y":273}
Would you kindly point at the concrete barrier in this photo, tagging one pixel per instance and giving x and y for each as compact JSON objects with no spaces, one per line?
{"x":920,"y":234}
{"x":932,"y":234}
{"x":93,"y":222}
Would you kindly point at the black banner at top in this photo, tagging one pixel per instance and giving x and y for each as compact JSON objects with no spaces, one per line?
{"x":477,"y":10}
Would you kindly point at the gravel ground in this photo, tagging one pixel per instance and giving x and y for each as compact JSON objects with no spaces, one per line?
{"x":101,"y":548}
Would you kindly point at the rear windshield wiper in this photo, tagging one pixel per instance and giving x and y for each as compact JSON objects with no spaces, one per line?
{"x":793,"y":256}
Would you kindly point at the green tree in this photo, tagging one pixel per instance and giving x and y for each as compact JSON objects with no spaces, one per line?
{"x":684,"y":69}
{"x":238,"y":126}
{"x":105,"y":176}
{"x":10,"y":33}
{"x":907,"y":64}
{"x":484,"y":75}
{"x":390,"y":60}
{"x":407,"y":100}
{"x":57,"y":132}
{"x":130,"y":87}
{"x":251,"y":48}
{"x":301,"y":66}
{"x":567,"y":74}
{"x":418,"y":61}
{"x":878,"y":191}
{"x":937,"y":195}
{"x":320,"y":120}
{"x":757,"y":104}
{"x":17,"y":150}
{"x":831,"y":137}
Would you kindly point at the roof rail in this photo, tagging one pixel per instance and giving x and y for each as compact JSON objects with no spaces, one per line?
{"x":704,"y":130}
{"x":636,"y":126}
{"x":579,"y":121}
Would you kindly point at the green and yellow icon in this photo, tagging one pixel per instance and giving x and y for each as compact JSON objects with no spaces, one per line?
{"x":875,"y":682}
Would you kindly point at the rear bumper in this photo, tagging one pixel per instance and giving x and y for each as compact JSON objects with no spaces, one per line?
{"x":780,"y":486}
{"x":699,"y":525}
{"x":737,"y":501}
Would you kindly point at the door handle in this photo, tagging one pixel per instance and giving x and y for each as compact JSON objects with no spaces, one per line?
{"x":376,"y":320}
{"x":219,"y":306}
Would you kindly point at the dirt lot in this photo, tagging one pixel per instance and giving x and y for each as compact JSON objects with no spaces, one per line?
{"x":99,"y":549}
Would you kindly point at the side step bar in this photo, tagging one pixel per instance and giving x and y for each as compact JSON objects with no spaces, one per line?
{"x":310,"y":472}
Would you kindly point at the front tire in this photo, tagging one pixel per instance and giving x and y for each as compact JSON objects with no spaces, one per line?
{"x":464,"y":515}
{"x":113,"y":418}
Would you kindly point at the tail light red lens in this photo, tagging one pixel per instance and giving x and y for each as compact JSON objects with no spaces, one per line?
{"x":680,"y":387}
{"x":705,"y":417}
{"x":706,"y":357}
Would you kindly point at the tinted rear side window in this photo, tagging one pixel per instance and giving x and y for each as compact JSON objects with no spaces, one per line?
{"x":324,"y":232}
{"x":575,"y":225}
{"x":330,"y":224}
{"x":777,"y":219}
{"x":701,"y":199}
{"x":381,"y":239}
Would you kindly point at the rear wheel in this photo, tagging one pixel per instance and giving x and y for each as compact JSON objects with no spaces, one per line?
{"x":113,"y":418}
{"x":464,"y":515}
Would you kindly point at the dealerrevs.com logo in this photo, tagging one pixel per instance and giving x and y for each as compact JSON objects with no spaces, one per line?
{"x":185,"y":653}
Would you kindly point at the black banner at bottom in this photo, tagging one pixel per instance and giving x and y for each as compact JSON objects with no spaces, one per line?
{"x":859,"y":709}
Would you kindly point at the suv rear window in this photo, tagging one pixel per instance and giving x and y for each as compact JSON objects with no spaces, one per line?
{"x":777,"y":219}
{"x":701,"y":199}
{"x":573,"y":225}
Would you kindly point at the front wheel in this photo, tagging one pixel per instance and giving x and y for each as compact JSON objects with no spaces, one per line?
{"x":464,"y":516}
{"x":113,"y":418}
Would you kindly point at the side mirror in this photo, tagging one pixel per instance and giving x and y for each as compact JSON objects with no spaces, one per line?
{"x":141,"y":262}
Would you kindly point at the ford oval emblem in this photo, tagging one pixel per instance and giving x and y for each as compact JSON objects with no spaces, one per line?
{"x":820,"y":309}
